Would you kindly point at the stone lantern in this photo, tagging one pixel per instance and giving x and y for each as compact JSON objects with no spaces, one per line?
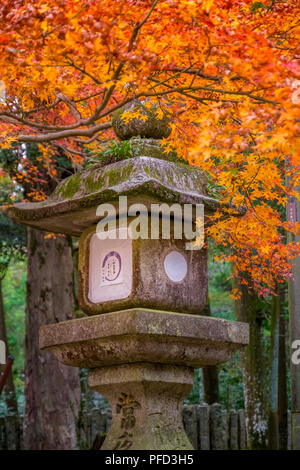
{"x":143,"y":334}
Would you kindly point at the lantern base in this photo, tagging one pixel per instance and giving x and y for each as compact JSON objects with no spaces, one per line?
{"x":143,"y":335}
{"x":146,"y":401}
{"x":143,"y":362}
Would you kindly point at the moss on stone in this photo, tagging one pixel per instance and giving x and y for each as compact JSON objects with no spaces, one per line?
{"x":69,"y":187}
{"x":118,"y":112}
{"x":144,"y":176}
{"x":116,"y":175}
{"x":153,"y":148}
{"x":94,"y":182}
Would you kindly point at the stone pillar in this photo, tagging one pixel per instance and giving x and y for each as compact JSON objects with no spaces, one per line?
{"x":146,"y":401}
{"x":143,"y":362}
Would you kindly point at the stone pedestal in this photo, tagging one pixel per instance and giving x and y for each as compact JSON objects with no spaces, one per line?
{"x":146,"y":401}
{"x":143,"y":362}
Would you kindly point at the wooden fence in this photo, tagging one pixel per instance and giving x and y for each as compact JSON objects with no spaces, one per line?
{"x":208,"y":428}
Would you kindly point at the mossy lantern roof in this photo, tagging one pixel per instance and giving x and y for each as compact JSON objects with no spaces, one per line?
{"x":147,"y":177}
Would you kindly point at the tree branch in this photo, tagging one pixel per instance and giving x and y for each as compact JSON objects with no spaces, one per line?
{"x":89,"y":132}
{"x":117,"y":73}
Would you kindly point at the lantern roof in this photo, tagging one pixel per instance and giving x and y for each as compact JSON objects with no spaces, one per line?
{"x":143,"y":179}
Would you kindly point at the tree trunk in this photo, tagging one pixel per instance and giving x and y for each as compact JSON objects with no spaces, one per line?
{"x":254,"y":371}
{"x":52,"y":390}
{"x":294,"y":308}
{"x":274,"y":357}
{"x":10,"y":393}
{"x":282,"y":378}
{"x":278,"y":418}
{"x":211,"y":385}
{"x":210,"y":374}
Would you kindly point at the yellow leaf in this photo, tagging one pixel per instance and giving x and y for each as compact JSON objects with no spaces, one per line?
{"x":207,"y":4}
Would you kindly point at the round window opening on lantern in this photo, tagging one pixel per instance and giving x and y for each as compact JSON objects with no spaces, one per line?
{"x":175,"y":266}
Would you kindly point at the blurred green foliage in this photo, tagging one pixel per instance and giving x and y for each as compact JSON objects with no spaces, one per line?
{"x":12,"y":235}
{"x":14,"y":293}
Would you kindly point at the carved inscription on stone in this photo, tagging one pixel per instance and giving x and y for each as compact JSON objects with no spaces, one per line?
{"x":126,"y":406}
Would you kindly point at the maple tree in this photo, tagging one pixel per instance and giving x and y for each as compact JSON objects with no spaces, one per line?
{"x":226,"y":73}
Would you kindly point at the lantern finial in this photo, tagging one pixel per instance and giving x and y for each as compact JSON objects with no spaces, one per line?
{"x":151,"y":122}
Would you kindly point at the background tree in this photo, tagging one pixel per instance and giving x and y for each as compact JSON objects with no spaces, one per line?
{"x":52,"y":391}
